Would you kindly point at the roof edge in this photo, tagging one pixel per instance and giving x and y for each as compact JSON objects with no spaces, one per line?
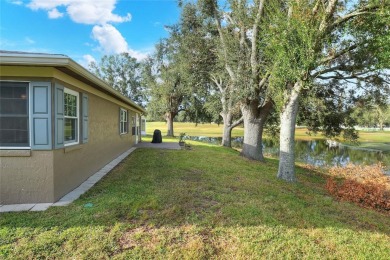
{"x":74,"y":66}
{"x":59,"y":60}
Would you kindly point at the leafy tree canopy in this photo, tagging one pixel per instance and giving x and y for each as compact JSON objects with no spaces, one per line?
{"x":123,"y":73}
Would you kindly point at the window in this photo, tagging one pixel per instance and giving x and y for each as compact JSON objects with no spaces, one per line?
{"x":123,"y":125}
{"x":14,"y":114}
{"x":71,"y":117}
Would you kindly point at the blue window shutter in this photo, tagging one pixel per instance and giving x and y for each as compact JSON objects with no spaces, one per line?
{"x":58,"y":116}
{"x":85,"y":119}
{"x":40,"y":114}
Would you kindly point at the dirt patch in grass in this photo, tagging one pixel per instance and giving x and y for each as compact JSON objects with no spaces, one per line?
{"x":128,"y":241}
{"x":192,"y":175}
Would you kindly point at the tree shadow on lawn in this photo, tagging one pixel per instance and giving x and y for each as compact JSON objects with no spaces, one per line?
{"x":210,"y":187}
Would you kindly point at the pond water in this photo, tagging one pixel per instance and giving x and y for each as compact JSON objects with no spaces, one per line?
{"x":321,"y":153}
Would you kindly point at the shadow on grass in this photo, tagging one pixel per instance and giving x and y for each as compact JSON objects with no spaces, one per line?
{"x":208,"y":187}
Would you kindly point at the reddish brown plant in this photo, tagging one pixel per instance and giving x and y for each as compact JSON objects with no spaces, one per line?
{"x":366,"y":186}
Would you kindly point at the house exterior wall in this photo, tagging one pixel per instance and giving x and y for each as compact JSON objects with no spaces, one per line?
{"x":74,"y":164}
{"x":31,"y":176}
{"x":134,"y":137}
{"x":26,"y":176}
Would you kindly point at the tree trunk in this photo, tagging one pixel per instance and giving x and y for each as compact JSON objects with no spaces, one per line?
{"x":287,"y":136}
{"x":227,"y":129}
{"x":254,"y":119}
{"x":169,"y":118}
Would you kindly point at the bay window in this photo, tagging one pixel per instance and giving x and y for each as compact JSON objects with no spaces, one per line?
{"x":26,"y":116}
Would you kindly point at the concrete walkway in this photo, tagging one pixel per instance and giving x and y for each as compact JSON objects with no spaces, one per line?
{"x":167,"y":145}
{"x":74,"y":194}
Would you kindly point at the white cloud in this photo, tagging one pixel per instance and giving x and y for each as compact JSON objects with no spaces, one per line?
{"x":137,"y":54}
{"x":109,"y":38}
{"x":95,"y":12}
{"x":85,"y":12}
{"x":89,"y":58}
{"x":46,"y":5}
{"x":111,"y":41}
{"x":16,"y":2}
{"x":86,"y":60}
{"x":54,"y":13}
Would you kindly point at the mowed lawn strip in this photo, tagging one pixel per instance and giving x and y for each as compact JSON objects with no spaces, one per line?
{"x":378,"y":140}
{"x":191,"y":129}
{"x":202,"y":203}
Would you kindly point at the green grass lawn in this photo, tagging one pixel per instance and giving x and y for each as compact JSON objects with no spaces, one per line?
{"x":202,"y":203}
{"x":372,"y":140}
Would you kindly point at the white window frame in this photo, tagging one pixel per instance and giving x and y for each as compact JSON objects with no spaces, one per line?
{"x":77,"y":94}
{"x":143,"y":126}
{"x":29,"y":119}
{"x":133,"y":124}
{"x":123,"y":123}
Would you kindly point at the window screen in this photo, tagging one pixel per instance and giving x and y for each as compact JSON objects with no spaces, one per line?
{"x":14,"y":119}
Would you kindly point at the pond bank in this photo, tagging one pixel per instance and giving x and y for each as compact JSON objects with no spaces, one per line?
{"x":321,"y":153}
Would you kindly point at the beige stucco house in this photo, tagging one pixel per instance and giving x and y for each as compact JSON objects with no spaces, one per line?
{"x":59,"y":124}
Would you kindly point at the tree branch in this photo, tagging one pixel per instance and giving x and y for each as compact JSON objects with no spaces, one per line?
{"x":237,"y":122}
{"x":218,"y":83}
{"x":337,"y":69}
{"x":266,"y":108}
{"x":327,"y":70}
{"x":264,"y":80}
{"x":316,"y":7}
{"x":347,"y":17}
{"x":254,"y":37}
{"x":224,"y":46}
{"x":337,"y":55}
{"x":344,"y":77}
{"x":227,"y":15}
{"x":330,"y":9}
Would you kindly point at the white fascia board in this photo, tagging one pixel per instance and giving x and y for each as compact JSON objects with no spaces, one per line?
{"x":41,"y":60}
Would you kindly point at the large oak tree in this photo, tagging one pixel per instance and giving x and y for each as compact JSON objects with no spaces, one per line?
{"x":239,"y":25}
{"x":323,"y":44}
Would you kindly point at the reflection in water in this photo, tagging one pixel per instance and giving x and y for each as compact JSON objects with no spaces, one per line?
{"x":316,"y":152}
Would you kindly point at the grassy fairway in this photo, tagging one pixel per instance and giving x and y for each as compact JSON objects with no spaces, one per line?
{"x":375,"y":140}
{"x":211,"y":130}
{"x":371,"y":140}
{"x":207,"y":202}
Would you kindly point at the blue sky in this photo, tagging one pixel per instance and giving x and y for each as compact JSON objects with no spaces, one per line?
{"x":85,"y":29}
